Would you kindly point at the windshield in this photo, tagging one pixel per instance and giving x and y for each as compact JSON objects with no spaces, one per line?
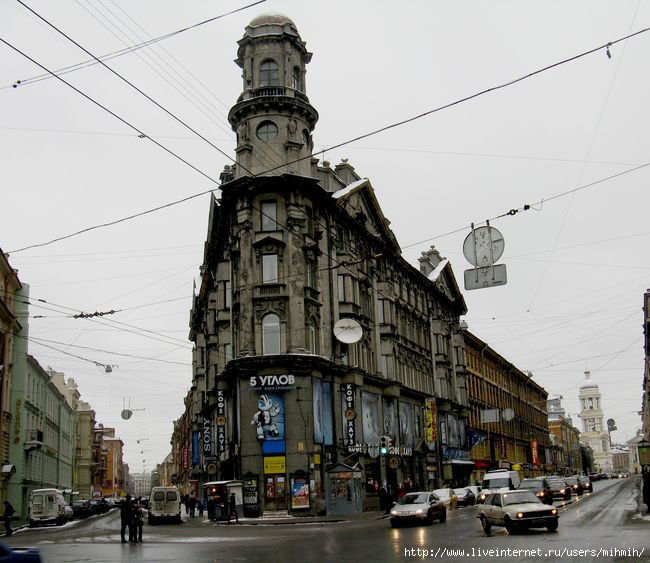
{"x":531,"y":485}
{"x":519,"y":498}
{"x":414,"y":498}
{"x":442,"y":493}
{"x":572,"y":480}
{"x":496,"y":483}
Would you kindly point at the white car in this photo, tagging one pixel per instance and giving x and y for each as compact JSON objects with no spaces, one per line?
{"x":515,"y":511}
{"x":448,"y":496}
{"x":418,"y":507}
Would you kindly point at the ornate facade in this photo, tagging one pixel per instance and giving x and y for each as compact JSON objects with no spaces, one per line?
{"x":284,"y":394}
{"x":594,"y":430}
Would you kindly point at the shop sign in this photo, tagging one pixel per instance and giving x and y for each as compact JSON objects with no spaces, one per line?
{"x":272,"y":383}
{"x":251,"y":496}
{"x":350,"y":414}
{"x":316,"y":459}
{"x":221,"y":421}
{"x":431,"y":420}
{"x":361,"y":448}
{"x":195,"y":447}
{"x":207,"y":436}
{"x":393,"y":462}
{"x":533,"y":451}
{"x":186,"y":461}
{"x":274,"y":464}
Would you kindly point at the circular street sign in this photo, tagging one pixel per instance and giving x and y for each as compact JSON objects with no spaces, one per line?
{"x":483,"y":246}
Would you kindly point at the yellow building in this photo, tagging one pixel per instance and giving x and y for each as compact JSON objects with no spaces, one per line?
{"x":508,"y":423}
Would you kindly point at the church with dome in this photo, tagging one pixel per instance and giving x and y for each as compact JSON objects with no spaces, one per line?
{"x":594,"y":430}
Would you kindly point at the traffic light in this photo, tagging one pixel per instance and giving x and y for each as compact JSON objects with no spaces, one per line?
{"x":383,"y":445}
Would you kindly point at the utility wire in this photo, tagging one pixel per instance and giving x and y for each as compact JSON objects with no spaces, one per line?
{"x":372,"y":133}
{"x":114,"y":54}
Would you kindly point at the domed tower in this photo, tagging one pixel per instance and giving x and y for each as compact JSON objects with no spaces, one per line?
{"x":594,"y":432}
{"x":273,"y":118}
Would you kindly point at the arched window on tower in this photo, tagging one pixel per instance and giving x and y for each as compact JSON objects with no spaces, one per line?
{"x":296,"y":82}
{"x":271,"y":334}
{"x":269,"y":73}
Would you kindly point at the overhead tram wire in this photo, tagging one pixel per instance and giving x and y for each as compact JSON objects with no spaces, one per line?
{"x":125,"y":80}
{"x":375,"y":132}
{"x":119,"y":53}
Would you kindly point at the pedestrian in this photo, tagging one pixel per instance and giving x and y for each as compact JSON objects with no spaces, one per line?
{"x":8,"y":515}
{"x":192,"y":504}
{"x":211,"y":508}
{"x":186,"y":501}
{"x":383,"y":500}
{"x":126,"y":515}
{"x":201,"y":507}
{"x":232,"y":508}
{"x":646,"y":491}
{"x":137,"y":523}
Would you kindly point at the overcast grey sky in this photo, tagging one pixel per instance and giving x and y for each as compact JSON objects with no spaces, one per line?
{"x":577,"y":264}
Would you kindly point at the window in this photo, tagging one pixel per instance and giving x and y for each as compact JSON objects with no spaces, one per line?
{"x":267,"y":131}
{"x":296,"y":83}
{"x":271,"y":334}
{"x":310,"y":273}
{"x":312,"y":337}
{"x":269,"y":268}
{"x":269,"y":73}
{"x":269,"y":215}
{"x":227,"y":295}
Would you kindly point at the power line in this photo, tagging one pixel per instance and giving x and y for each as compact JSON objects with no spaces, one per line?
{"x":119,"y":53}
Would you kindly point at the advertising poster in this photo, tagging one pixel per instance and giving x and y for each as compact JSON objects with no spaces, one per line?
{"x":406,"y":424}
{"x":431,"y":419}
{"x":299,"y":492}
{"x":322,"y":407}
{"x":452,"y":430}
{"x":390,"y":418}
{"x":195,"y":447}
{"x":221,"y":421}
{"x":349,"y":415}
{"x":268,"y":421}
{"x":370,"y":413}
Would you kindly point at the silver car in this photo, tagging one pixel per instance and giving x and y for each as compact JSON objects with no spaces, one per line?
{"x":419,"y":507}
{"x":516,"y":511}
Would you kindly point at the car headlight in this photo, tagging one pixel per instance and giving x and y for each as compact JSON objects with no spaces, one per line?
{"x":393,"y":512}
{"x":554,"y":512}
{"x":562,"y":491}
{"x":520,"y":514}
{"x":540,"y":494}
{"x":419,"y":511}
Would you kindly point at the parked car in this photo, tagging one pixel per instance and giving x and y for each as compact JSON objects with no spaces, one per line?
{"x":465,"y":496}
{"x":516,"y":511}
{"x":47,"y":506}
{"x":448,"y":496}
{"x":19,"y":554}
{"x":418,"y":507}
{"x":561,"y":489}
{"x":539,"y":487}
{"x":81,"y":509}
{"x":99,"y":506}
{"x":576,"y":484}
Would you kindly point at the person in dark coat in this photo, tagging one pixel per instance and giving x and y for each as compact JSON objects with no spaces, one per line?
{"x":211,"y":508}
{"x":8,"y":514}
{"x":136,"y":519}
{"x":126,"y":517}
{"x":646,"y":491}
{"x":232,"y":508}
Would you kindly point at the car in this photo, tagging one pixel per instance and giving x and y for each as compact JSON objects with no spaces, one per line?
{"x":516,"y":511}
{"x":594,"y":477}
{"x":465,"y":496}
{"x":498,"y":480}
{"x":448,"y":496}
{"x":99,"y":506}
{"x":19,"y":554}
{"x":561,"y":489}
{"x":576,"y":484}
{"x":419,"y":507}
{"x":587,"y":485}
{"x":476,"y":489}
{"x":81,"y":509}
{"x":540,"y":487}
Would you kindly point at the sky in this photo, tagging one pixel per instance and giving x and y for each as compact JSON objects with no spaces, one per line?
{"x":513,"y":112}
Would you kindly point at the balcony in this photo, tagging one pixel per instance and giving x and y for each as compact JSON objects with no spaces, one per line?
{"x":33,"y":440}
{"x":274,"y":91}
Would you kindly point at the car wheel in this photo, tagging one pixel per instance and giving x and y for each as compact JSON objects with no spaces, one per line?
{"x":509,"y":525}
{"x":552,"y":526}
{"x":487,"y":527}
{"x":443,"y":516}
{"x":430,"y":518}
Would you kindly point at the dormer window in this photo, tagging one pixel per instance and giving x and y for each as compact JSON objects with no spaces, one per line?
{"x":269,"y":73}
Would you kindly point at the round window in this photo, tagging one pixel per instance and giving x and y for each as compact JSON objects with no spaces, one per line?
{"x":267,"y":130}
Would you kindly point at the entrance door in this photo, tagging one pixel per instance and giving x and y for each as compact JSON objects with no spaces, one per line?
{"x":275,"y":492}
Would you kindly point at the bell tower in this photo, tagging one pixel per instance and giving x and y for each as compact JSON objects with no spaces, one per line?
{"x":273,"y":118}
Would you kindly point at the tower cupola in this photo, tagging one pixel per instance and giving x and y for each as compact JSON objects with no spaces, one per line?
{"x":273,"y":118}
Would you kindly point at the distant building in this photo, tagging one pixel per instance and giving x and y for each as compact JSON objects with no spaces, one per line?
{"x":620,"y":459}
{"x":140,"y":484}
{"x":567,"y":454}
{"x":594,"y":431}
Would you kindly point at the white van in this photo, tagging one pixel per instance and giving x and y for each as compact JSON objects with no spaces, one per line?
{"x":164,"y":503}
{"x":498,"y":480}
{"x":47,"y":506}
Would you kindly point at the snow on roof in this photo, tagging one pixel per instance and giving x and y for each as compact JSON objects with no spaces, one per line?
{"x":344,"y":191}
{"x":435,"y":274}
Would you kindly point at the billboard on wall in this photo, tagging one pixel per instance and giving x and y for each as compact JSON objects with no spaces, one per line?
{"x":431,"y":419}
{"x":269,"y":422}
{"x":391,"y":427}
{"x":322,"y":411}
{"x":406,"y":424}
{"x":370,"y":414}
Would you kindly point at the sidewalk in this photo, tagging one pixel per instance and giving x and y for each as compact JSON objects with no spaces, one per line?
{"x":271,"y":519}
